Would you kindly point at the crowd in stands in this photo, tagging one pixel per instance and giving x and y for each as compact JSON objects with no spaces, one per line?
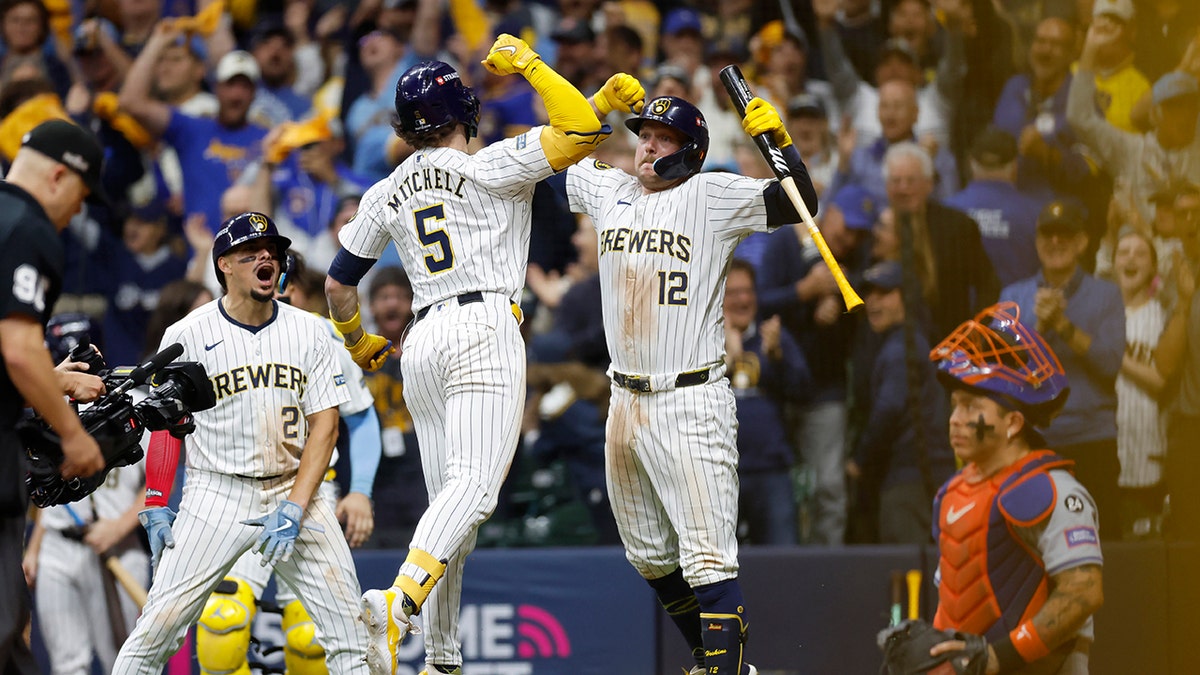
{"x":1043,"y":152}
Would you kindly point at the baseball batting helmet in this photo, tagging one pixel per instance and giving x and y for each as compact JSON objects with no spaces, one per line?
{"x":431,"y":95}
{"x":67,"y":331}
{"x":683,"y":117}
{"x":998,"y":357}
{"x":242,"y":228}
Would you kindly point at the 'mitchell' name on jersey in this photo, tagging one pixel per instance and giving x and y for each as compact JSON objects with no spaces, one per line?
{"x":429,"y":178}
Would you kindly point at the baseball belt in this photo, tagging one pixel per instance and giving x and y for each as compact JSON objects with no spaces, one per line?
{"x":468,"y":298}
{"x":640,"y":384}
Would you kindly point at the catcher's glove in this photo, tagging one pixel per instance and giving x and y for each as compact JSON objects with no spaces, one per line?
{"x":906,"y":651}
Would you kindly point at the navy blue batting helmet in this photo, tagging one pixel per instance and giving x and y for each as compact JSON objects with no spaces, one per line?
{"x":431,"y":95}
{"x":242,"y":228}
{"x":685,"y":118}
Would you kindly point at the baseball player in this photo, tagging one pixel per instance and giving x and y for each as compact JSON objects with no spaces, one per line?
{"x":462,"y":225}
{"x":223,"y":633}
{"x":1019,"y":572}
{"x":666,"y":237}
{"x":254,"y":463}
{"x":82,"y":610}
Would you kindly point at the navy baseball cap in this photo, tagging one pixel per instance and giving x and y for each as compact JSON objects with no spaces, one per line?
{"x":573,"y":31}
{"x":886,"y":276}
{"x":1061,"y":216}
{"x":807,"y":105}
{"x":859,"y":207}
{"x":680,"y":20}
{"x":75,"y":148}
{"x":994,"y":148}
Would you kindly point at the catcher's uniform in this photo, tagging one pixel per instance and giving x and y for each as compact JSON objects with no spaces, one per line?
{"x":1002,"y":538}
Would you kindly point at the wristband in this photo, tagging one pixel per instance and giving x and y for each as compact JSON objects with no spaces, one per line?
{"x":350,"y":325}
{"x":1021,"y":646}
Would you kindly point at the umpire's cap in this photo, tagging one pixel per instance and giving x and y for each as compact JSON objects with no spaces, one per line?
{"x":681,"y":116}
{"x":75,"y":148}
{"x":431,"y":95}
{"x":242,"y":228}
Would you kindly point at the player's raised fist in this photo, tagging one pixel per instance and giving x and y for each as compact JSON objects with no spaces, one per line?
{"x":622,"y":92}
{"x":509,"y":55}
{"x":762,"y":118}
{"x":371,"y":351}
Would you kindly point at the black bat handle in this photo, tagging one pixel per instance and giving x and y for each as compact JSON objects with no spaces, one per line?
{"x":740,"y":94}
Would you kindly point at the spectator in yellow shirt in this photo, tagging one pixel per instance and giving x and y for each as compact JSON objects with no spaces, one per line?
{"x":1119,"y":86}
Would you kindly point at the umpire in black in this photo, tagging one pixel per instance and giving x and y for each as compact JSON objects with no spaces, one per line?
{"x":56,"y":168}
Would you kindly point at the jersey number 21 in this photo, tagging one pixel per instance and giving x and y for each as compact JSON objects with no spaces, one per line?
{"x":442,"y":258}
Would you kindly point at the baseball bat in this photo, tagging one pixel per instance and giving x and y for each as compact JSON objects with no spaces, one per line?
{"x":740,"y":94}
{"x":130,"y":584}
{"x":112,"y":602}
{"x":897,"y":606}
{"x":914,"y":593}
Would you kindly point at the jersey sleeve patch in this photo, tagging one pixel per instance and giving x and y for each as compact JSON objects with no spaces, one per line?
{"x":1082,"y":535}
{"x":601,"y":165}
{"x":1030,"y":500}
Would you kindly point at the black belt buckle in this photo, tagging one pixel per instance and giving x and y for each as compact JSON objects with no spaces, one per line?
{"x":636,"y":383}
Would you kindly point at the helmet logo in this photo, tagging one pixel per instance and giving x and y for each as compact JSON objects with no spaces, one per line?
{"x":258,"y":222}
{"x":660,"y":106}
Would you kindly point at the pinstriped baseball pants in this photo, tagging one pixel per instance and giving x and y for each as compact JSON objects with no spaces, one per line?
{"x":464,"y":381}
{"x":209,"y":538}
{"x":671,"y":463}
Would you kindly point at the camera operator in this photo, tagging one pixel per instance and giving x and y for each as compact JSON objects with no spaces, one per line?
{"x":57,"y":167}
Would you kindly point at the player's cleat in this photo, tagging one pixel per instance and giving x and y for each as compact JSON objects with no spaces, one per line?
{"x":385,"y":629}
{"x":747,"y":669}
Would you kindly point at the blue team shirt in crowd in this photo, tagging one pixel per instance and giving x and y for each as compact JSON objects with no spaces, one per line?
{"x":1095,"y":307}
{"x":212,"y":157}
{"x":311,"y":205}
{"x":1007,"y":221}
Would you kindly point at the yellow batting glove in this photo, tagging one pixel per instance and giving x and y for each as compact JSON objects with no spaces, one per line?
{"x":371,"y":351}
{"x":761,"y":118}
{"x":509,"y":55}
{"x":622,"y":92}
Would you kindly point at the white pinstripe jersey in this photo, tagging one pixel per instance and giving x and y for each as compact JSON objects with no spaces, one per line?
{"x":663,"y":259}
{"x":267,"y":381}
{"x":460,"y":222}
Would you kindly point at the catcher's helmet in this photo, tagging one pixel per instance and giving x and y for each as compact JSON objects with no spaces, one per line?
{"x":997,"y":356}
{"x":67,"y":331}
{"x":431,"y":95}
{"x":681,"y":116}
{"x":242,"y":228}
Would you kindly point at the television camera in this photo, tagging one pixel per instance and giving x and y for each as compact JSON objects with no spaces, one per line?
{"x":116,"y":422}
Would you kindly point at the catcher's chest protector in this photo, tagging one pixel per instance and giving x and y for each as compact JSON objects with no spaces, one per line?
{"x":991,"y":579}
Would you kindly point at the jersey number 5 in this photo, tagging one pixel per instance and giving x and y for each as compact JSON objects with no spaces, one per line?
{"x":672,"y":288}
{"x":443,"y":258}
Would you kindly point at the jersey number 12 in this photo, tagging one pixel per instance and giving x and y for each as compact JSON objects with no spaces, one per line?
{"x":442,"y":258}
{"x":672,"y":288}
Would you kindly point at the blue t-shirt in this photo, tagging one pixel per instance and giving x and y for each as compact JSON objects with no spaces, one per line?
{"x":308,"y":204}
{"x":212,"y":157}
{"x":1095,"y":307}
{"x":1007,"y":221}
